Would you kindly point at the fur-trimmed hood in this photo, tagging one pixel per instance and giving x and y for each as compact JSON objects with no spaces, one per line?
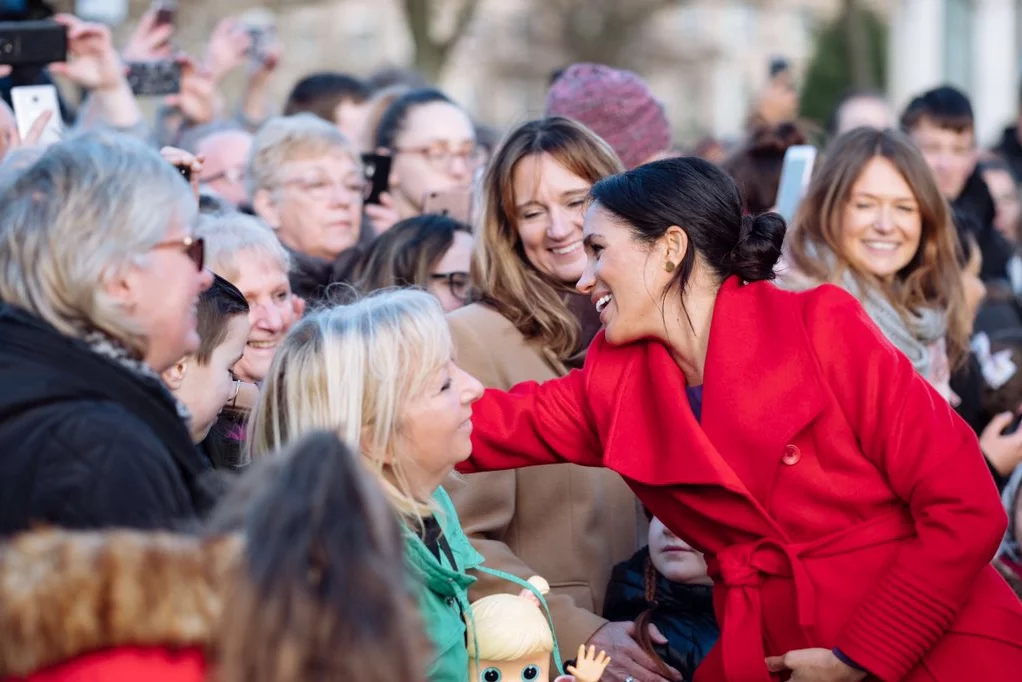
{"x":64,"y":594}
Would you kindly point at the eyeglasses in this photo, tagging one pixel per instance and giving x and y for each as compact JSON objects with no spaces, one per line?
{"x":321,"y":189}
{"x":194,"y":248}
{"x":458,"y":282}
{"x":441,"y":157}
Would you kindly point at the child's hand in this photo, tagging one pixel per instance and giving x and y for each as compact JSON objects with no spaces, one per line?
{"x":589,"y":665}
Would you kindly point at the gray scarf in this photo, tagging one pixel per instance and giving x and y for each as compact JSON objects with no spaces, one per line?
{"x":912,"y":334}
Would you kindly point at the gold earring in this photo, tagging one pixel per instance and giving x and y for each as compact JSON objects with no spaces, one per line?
{"x":669,"y":266}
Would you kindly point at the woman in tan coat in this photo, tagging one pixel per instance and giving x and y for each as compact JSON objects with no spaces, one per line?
{"x":567,"y":523}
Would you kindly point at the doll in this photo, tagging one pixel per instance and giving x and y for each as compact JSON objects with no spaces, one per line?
{"x":515,"y":641}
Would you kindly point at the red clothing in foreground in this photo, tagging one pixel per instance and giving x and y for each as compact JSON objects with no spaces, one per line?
{"x":838,"y":499}
{"x":129,"y":664}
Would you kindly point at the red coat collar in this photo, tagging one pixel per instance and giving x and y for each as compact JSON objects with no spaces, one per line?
{"x":761,"y":387}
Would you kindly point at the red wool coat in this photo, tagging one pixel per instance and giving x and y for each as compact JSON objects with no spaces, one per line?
{"x":838,"y":499}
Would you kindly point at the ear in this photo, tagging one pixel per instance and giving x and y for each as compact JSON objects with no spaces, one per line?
{"x":298,"y":303}
{"x":675,"y":242}
{"x":266,"y":208}
{"x":175,"y":376}
{"x":121,"y":286}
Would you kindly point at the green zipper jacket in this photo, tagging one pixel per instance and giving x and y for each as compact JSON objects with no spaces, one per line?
{"x":443,"y":592}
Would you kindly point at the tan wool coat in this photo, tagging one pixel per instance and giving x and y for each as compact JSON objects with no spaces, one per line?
{"x":566,"y":523}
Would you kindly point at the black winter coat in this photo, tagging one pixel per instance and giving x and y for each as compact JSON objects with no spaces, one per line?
{"x":683,"y":613}
{"x":85,"y":442}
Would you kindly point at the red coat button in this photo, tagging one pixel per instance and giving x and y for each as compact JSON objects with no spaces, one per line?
{"x":791,"y":455}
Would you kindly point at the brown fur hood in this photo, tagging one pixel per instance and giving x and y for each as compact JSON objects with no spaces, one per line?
{"x":63,"y":594}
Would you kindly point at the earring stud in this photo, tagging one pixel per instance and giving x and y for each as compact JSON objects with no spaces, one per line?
{"x":669,"y":266}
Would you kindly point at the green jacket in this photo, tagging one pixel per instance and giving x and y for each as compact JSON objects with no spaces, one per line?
{"x":443,"y":592}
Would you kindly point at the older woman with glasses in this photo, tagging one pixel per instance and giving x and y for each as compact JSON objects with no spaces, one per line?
{"x":433,"y":143}
{"x":305,"y":180}
{"x":99,"y":277}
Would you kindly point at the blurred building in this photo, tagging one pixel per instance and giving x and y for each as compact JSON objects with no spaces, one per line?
{"x":971,"y":44}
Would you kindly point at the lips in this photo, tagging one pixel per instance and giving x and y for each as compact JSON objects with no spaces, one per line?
{"x":874,"y":245}
{"x":262,"y":345}
{"x":602,"y":302}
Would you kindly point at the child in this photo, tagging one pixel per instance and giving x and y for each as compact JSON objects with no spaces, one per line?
{"x":204,"y":382}
{"x":509,"y":638}
{"x":666,"y":585}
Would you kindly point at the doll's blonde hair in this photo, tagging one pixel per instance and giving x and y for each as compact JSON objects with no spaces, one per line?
{"x":508,"y":627}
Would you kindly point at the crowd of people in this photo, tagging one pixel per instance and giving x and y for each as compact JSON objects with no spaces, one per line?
{"x":238,"y":386}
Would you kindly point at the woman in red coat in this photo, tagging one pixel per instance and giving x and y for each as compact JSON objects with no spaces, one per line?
{"x":845,"y":511}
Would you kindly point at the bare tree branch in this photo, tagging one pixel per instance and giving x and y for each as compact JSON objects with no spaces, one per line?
{"x":431,"y":53}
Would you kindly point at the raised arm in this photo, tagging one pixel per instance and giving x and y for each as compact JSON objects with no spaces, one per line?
{"x":931,"y":460}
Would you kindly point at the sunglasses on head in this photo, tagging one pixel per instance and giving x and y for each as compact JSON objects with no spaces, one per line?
{"x":194,"y":248}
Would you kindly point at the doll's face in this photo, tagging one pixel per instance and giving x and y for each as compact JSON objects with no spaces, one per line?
{"x":529,"y":669}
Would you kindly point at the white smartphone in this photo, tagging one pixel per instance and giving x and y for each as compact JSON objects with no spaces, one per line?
{"x":795,"y":176}
{"x":31,"y":102}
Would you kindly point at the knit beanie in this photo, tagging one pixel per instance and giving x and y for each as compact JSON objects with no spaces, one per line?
{"x":615,"y":104}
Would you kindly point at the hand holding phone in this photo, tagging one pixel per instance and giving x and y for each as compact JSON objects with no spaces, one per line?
{"x":376,"y":169}
{"x":34,"y":104}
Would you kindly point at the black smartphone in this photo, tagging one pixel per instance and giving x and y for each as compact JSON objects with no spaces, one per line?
{"x":376,"y":168}
{"x":155,"y":78}
{"x":778,"y":65}
{"x":1013,"y":426}
{"x":32,"y":43}
{"x":185,"y":171}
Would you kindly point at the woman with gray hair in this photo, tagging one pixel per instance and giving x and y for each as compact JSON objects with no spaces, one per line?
{"x":99,"y":278}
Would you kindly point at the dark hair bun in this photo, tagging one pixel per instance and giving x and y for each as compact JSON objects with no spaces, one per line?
{"x":759,"y":247}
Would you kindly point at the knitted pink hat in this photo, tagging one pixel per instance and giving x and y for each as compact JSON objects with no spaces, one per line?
{"x":615,"y":104}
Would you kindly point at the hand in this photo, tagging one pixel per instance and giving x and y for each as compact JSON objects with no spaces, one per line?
{"x":1003,"y":452}
{"x":227,"y":48}
{"x":588,"y":666}
{"x":94,"y":63}
{"x":199,"y":100}
{"x":12,"y":140}
{"x":150,"y":41}
{"x":814,"y":665}
{"x":262,"y":66}
{"x":627,"y":657}
{"x":383,"y":215}
{"x":179,"y":158}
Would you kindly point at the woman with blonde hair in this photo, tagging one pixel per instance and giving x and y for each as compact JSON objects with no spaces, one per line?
{"x":529,"y":325}
{"x":875,"y":223}
{"x":379,"y":374}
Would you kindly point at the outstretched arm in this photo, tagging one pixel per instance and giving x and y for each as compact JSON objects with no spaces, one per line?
{"x":534,"y":424}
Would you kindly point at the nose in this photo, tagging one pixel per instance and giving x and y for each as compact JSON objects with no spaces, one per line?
{"x":458,"y":167}
{"x":587,"y":281}
{"x":341,"y":195}
{"x":884,"y":222}
{"x":471,"y":388}
{"x":205,"y":279}
{"x":562,"y":225}
{"x":267,"y":317}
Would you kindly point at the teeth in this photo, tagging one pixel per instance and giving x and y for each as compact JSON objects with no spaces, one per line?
{"x":567,"y":249}
{"x":262,"y":344}
{"x":602,"y":303}
{"x":881,"y":246}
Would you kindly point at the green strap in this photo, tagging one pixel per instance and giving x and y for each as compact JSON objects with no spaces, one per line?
{"x":546,"y":609}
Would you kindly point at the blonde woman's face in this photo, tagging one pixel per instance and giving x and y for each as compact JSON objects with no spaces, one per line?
{"x":881,"y":224}
{"x":527,"y":669}
{"x":549,"y":203}
{"x":273,"y":310}
{"x":437,"y":426}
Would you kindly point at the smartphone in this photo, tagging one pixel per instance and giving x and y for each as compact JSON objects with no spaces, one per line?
{"x":34,"y":43}
{"x":31,"y":102}
{"x":455,"y":204}
{"x":795,"y":176}
{"x":166,"y":11}
{"x":262,"y":37}
{"x":778,"y":65}
{"x":376,"y":168}
{"x":161,"y":77}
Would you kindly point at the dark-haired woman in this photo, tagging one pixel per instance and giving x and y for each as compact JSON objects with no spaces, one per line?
{"x":756,"y":166}
{"x":845,"y":511}
{"x":433,"y":143}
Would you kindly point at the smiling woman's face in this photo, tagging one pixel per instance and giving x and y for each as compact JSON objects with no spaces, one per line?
{"x":881,"y":222}
{"x":549,"y":202}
